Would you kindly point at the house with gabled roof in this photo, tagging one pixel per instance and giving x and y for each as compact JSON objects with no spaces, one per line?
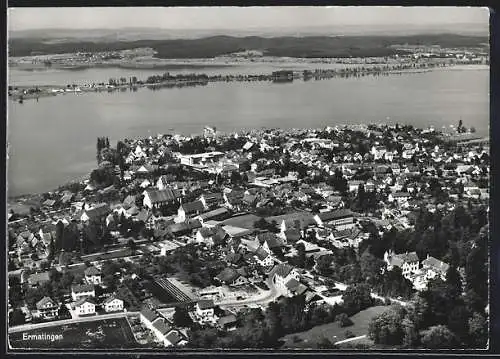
{"x":84,"y":306}
{"x":79,"y":291}
{"x":164,"y":181}
{"x":227,"y":322}
{"x":211,"y":236}
{"x":401,"y":198}
{"x":205,"y":312}
{"x":341,"y":219}
{"x":157,"y":198}
{"x":353,"y":185}
{"x":234,"y":259}
{"x":96,"y":213}
{"x":298,"y":220}
{"x":211,"y":200}
{"x":175,"y":338}
{"x":218,"y":214}
{"x":294,"y":287}
{"x":433,"y":267}
{"x":291,"y":235}
{"x":47,"y":308}
{"x":49,"y":203}
{"x":231,"y":277}
{"x":263,"y":257}
{"x":234,"y":199}
{"x":93,"y":275}
{"x":408,"y":262}
{"x":160,"y":327}
{"x":112,"y":304}
{"x":270,"y":242}
{"x":37,"y":279}
{"x":281,"y":274}
{"x":189,"y":209}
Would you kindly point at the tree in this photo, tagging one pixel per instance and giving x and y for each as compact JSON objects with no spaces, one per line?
{"x":348,"y":334}
{"x":478,"y":330}
{"x":438,"y":337}
{"x":301,"y":255}
{"x":132,"y":245}
{"x":357,"y":297}
{"x":325,"y":343}
{"x":458,"y":322}
{"x":386,"y":328}
{"x":16,"y":317}
{"x":370,"y":266}
{"x":323,"y":264}
{"x":235,"y":177}
{"x":343,"y":320}
{"x":411,"y":337}
{"x":476,"y":272}
{"x":59,"y":236}
{"x":181,"y":317}
{"x":63,"y":312}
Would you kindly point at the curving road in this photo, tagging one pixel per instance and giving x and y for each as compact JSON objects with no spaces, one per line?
{"x":262,"y":299}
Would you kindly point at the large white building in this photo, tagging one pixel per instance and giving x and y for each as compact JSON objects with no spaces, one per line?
{"x":82,"y":291}
{"x":201,"y":158}
{"x":84,"y":306}
{"x":408,"y":262}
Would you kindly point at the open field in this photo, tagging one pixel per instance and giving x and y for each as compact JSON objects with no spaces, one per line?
{"x":105,"y":334}
{"x":333,"y":331}
{"x":245,"y":221}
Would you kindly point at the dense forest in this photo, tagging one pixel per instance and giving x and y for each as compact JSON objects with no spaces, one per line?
{"x":311,"y":46}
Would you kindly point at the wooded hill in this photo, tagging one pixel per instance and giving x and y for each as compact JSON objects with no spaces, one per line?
{"x":311,"y":46}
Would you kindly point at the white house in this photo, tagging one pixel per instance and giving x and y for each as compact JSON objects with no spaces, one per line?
{"x":189,"y":209}
{"x":113,"y":304}
{"x":157,"y":198}
{"x":400,"y":197}
{"x":93,"y":276}
{"x":378,"y":152}
{"x":163,"y":182}
{"x":264,"y":258}
{"x":433,"y":267}
{"x":408,"y":262}
{"x":175,"y":338}
{"x":201,"y":158}
{"x":354,"y":185}
{"x":204,"y":312}
{"x":47,"y":308}
{"x":281,"y":274}
{"x":84,"y":306}
{"x":96,"y":213}
{"x":342,"y":219}
{"x":82,"y":291}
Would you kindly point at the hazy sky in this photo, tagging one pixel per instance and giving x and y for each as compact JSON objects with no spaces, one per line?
{"x":240,"y":17}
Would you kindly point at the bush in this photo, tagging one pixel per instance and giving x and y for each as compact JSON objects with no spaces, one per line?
{"x":343,"y":320}
{"x":348,"y":334}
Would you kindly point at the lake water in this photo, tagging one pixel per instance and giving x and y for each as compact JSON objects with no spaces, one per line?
{"x":54,"y":140}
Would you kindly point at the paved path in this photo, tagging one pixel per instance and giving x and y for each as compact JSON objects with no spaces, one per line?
{"x":26,"y":327}
{"x":350,"y":339}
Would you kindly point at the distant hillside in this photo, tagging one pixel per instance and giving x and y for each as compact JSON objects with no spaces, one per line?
{"x":310,"y":46}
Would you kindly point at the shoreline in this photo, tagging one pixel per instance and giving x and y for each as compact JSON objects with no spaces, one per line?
{"x":26,"y":92}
